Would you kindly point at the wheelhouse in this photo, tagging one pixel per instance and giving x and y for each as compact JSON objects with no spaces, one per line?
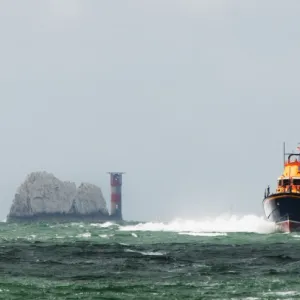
{"x":283,"y":182}
{"x":286,"y":184}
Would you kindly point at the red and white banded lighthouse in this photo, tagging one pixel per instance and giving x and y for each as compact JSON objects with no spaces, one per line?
{"x":116,"y":195}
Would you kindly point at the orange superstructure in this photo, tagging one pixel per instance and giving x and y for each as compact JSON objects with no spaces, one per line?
{"x":289,"y":181}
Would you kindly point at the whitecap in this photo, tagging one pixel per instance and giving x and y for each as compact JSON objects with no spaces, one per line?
{"x":248,"y":223}
{"x":30,"y":237}
{"x":102,"y":225}
{"x":151,"y":253}
{"x":105,"y":236}
{"x":204,"y":233}
{"x":123,"y":244}
{"x":59,"y":236}
{"x":85,"y":235}
{"x":283,"y":293}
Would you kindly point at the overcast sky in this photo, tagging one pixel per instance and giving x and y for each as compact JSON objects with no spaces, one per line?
{"x":192,"y":99}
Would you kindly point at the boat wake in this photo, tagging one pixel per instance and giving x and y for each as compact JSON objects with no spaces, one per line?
{"x":248,"y":223}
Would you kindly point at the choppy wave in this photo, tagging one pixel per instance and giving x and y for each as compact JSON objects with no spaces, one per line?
{"x":84,"y":235}
{"x":248,"y":223}
{"x":103,"y":225}
{"x":204,"y":233}
{"x":191,"y":259}
{"x":150,"y":253}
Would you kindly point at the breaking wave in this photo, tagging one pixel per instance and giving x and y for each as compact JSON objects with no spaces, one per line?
{"x":151,"y":253}
{"x":248,"y":223}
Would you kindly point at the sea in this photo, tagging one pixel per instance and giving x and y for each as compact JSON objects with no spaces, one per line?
{"x":213,"y":258}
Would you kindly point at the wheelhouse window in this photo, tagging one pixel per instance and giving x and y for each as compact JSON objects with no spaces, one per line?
{"x":286,"y":182}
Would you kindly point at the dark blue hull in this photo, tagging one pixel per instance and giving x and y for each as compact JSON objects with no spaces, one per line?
{"x":284,"y":210}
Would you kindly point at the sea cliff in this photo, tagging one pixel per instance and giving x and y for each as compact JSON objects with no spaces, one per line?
{"x":42,"y":196}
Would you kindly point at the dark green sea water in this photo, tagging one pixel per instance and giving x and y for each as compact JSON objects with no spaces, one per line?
{"x":216,"y":259}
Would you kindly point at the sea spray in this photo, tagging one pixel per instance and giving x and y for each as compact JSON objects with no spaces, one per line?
{"x":248,"y":223}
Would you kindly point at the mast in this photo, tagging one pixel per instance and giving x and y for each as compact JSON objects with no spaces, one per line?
{"x":283,"y":154}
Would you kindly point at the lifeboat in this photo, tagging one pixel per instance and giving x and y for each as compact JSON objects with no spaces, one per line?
{"x":283,"y":205}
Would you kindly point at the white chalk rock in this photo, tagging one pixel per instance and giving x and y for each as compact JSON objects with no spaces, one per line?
{"x":43,"y":193}
{"x":20,"y":207}
{"x":89,"y":199}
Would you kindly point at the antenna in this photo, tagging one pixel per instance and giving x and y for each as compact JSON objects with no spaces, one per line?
{"x":283,"y":154}
{"x":289,"y":154}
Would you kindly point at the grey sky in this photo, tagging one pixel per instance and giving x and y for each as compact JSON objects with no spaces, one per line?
{"x":191,"y":98}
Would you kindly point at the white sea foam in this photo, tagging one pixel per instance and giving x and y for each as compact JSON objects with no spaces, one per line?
{"x":283,"y":293}
{"x":75,"y":224}
{"x":106,"y":236}
{"x":248,"y":298}
{"x":30,"y":237}
{"x":151,"y":253}
{"x":85,"y":235}
{"x":59,"y":236}
{"x":102,"y":225}
{"x":248,"y":223}
{"x":204,"y":233}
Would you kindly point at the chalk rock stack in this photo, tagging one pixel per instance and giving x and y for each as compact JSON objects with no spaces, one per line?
{"x":43,"y":194}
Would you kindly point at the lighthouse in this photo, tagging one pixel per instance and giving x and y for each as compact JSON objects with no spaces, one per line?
{"x":116,"y":195}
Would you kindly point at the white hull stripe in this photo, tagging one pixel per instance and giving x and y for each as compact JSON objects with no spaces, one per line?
{"x":290,"y":221}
